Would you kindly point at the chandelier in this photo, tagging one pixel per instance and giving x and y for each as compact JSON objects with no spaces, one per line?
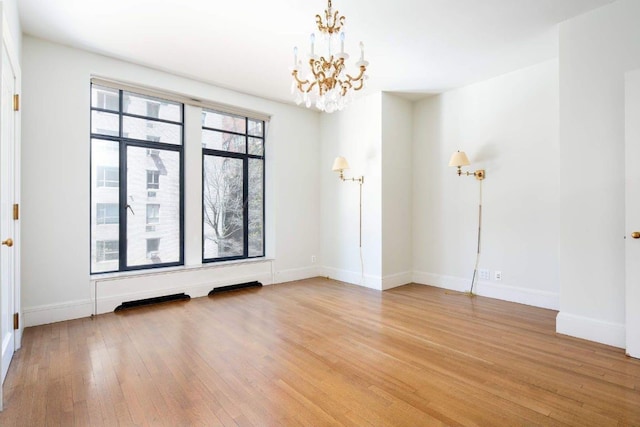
{"x":326,"y":82}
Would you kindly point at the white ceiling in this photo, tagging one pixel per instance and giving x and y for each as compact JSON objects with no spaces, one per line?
{"x":413,"y":46}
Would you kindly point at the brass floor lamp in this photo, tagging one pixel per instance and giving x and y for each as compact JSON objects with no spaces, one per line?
{"x":459,"y":159}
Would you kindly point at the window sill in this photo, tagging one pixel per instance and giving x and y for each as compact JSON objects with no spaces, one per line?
{"x":104,"y":277}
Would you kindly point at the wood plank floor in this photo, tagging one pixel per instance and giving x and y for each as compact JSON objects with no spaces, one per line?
{"x":319,"y":352}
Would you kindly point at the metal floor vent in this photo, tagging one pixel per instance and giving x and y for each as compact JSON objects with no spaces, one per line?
{"x":234,"y":287}
{"x":150,"y":301}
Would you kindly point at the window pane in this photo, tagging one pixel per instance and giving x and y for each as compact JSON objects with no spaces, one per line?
{"x":107,"y":213}
{"x":105,"y":194}
{"x":105,"y":98}
{"x":153,"y":178}
{"x":223,"y":212}
{"x":148,"y":106}
{"x":256,"y":128}
{"x":158,"y":220}
{"x":107,"y":250}
{"x":148,"y":130}
{"x":108,"y":176}
{"x":153,"y":248}
{"x":256,"y":146}
{"x":153,"y":213}
{"x":256,"y":206}
{"x":223,"y":121}
{"x":105,"y":123}
{"x":223,"y":141}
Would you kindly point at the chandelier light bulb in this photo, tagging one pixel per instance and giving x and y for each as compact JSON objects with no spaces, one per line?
{"x":313,"y":41}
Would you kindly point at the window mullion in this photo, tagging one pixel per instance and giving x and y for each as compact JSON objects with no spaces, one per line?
{"x":122,"y":232}
{"x":245,"y":205}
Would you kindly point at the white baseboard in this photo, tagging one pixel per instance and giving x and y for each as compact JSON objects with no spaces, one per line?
{"x":353,"y":277}
{"x":601,"y":331}
{"x":293,"y":274}
{"x":536,"y":298}
{"x":113,"y":292}
{"x":50,"y":313}
{"x":441,"y":281}
{"x":394,"y":280}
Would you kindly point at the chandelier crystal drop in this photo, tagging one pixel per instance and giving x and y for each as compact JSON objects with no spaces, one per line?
{"x":326,"y":83}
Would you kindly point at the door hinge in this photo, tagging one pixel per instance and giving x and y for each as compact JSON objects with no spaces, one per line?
{"x":16,"y":321}
{"x":16,"y":211}
{"x":16,"y":102}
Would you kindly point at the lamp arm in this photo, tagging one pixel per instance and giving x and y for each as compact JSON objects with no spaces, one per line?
{"x":359,"y":179}
{"x":480,"y":174}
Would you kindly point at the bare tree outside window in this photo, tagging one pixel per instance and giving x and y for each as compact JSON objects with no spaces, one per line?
{"x":233,"y":186}
{"x":223,"y":207}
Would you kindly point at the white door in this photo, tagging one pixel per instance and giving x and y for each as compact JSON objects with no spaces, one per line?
{"x":632,"y":189}
{"x":7,"y":186}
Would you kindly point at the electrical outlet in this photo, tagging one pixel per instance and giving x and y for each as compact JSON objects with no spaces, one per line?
{"x":484,"y":274}
{"x":313,"y":259}
{"x":497,"y":275}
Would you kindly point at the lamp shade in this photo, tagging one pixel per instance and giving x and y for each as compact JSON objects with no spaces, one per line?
{"x":459,"y":158}
{"x":339,"y":164}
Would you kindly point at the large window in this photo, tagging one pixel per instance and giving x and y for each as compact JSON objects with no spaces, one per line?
{"x":233,"y":186}
{"x":136,"y":146}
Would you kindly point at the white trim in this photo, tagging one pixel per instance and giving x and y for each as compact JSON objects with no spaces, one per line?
{"x":441,"y":281}
{"x":103,"y":277}
{"x":108,"y":303}
{"x":601,"y":331}
{"x":50,"y":313}
{"x":178,"y":97}
{"x":293,"y":274}
{"x":110,"y":296}
{"x":534,"y":297}
{"x":395,"y":280}
{"x":353,"y":277}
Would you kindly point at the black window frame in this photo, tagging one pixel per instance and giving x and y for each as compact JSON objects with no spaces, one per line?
{"x":245,"y":190}
{"x":124,"y":141}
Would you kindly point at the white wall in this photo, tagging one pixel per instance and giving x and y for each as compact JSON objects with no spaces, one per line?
{"x":11,"y":17}
{"x":596,"y":49}
{"x":509,"y":126}
{"x":397,"y":186}
{"x":354,"y":133}
{"x":55,"y":198}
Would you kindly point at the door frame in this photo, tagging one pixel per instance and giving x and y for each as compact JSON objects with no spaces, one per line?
{"x":632,"y":212}
{"x":12,"y":52}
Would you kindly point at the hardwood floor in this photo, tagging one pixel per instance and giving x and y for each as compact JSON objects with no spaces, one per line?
{"x":319,"y":352}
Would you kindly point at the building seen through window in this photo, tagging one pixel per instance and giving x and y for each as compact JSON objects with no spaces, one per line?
{"x":136,"y":163}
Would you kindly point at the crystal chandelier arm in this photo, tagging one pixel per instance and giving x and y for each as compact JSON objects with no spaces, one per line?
{"x":346,"y":85}
{"x":360,"y":78}
{"x":310,"y":88}
{"x":300,"y":82}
